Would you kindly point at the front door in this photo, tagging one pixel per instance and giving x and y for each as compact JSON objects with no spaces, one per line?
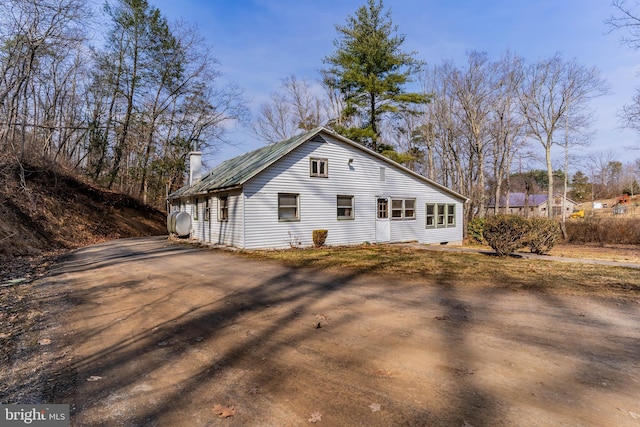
{"x":383,"y":222}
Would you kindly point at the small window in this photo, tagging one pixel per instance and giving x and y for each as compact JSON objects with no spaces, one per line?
{"x":223,"y":208}
{"x":207,"y":211}
{"x":319,"y":168}
{"x":403,"y":208}
{"x":195,"y":210}
{"x":430,"y":212}
{"x":382,"y":174}
{"x":451,"y":215}
{"x":440,"y":218}
{"x":383,"y":209}
{"x":345,"y":207}
{"x":409,"y":208}
{"x":288,"y":207}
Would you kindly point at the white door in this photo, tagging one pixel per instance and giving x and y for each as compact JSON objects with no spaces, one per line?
{"x":383,"y":222}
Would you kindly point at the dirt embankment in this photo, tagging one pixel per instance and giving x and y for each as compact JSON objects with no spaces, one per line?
{"x":45,"y":210}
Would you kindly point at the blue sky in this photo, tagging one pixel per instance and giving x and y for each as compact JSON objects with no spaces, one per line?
{"x":259,"y":42}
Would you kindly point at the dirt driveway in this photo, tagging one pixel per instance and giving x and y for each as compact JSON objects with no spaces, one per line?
{"x":148,"y":332}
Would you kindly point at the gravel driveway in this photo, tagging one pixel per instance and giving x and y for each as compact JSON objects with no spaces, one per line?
{"x":149,"y":332}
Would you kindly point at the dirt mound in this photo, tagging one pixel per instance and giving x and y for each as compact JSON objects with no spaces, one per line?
{"x":51,"y":210}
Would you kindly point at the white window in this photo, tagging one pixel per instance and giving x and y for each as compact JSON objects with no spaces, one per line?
{"x":430,"y":212}
{"x":195,"y":209}
{"x":451,"y":215}
{"x":440,"y":219}
{"x":319,"y":168}
{"x":288,"y":209}
{"x":403,"y":208}
{"x":206,"y":209}
{"x":383,"y":209}
{"x":440,"y":215}
{"x":223,"y":208}
{"x":345,"y":207}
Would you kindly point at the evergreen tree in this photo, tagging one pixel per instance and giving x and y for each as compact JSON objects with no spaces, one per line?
{"x":369,"y":70}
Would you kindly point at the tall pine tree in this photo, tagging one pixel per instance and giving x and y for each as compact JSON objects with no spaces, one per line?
{"x":370,"y":70}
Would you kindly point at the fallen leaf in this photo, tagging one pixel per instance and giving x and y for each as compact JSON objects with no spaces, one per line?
{"x":94,"y":378}
{"x":375,"y":407}
{"x":44,"y":341}
{"x":382,"y":373}
{"x":315,"y":417}
{"x":224,"y":411}
{"x":634,"y":415}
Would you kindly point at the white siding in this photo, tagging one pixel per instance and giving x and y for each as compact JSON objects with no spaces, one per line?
{"x":230,"y":232}
{"x":361,"y":179}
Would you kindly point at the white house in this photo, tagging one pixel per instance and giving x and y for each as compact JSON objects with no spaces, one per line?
{"x":274,"y":197}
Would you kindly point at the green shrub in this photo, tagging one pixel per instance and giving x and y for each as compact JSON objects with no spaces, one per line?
{"x":319,"y":237}
{"x":543,"y":235}
{"x":475,"y":231}
{"x":506,"y":233}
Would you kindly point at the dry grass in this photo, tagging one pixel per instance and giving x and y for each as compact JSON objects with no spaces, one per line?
{"x":466,"y":269}
{"x":620,"y":253}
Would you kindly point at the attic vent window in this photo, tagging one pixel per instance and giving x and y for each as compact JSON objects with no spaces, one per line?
{"x":318,"y":138}
{"x":319,"y":168}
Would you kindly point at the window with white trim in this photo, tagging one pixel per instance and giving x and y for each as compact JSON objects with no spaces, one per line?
{"x":288,"y":207}
{"x":383,"y":208}
{"x":223,"y":208}
{"x":195,"y":209}
{"x":319,"y":167}
{"x":345,"y":207}
{"x":403,"y":208}
{"x":207,"y":211}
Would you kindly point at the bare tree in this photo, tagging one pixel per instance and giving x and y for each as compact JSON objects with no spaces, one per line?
{"x":293,"y":108}
{"x":36,"y":38}
{"x":627,"y":19}
{"x":553,"y":89}
{"x":506,"y":123}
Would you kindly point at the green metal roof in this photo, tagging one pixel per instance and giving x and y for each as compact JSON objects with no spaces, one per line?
{"x":238,"y":170}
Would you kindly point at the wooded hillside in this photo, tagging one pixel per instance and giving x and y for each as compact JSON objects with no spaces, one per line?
{"x":53,"y":210}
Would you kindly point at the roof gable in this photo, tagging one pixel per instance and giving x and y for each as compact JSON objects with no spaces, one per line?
{"x":238,"y":170}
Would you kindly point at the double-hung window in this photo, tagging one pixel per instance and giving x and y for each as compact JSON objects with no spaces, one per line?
{"x":319,"y":167}
{"x":223,"y":208}
{"x":403,"y":208}
{"x":345,"y":207}
{"x":288,"y":207}
{"x":430,"y":212}
{"x":440,"y":215}
{"x":195,"y":209}
{"x":451,"y":215}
